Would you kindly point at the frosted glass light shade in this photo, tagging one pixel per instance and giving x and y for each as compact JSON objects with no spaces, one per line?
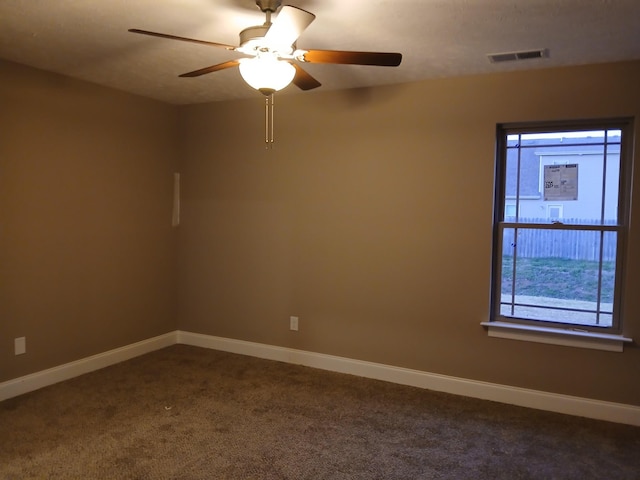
{"x":266,"y":73}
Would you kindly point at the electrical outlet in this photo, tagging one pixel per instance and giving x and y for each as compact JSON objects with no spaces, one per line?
{"x":293,"y":323}
{"x":20,"y":345}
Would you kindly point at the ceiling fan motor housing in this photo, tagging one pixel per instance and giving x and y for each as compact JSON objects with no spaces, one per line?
{"x":252,"y":33}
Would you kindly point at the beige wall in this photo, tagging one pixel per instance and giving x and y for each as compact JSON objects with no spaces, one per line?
{"x":371,"y":221}
{"x":86,"y":246}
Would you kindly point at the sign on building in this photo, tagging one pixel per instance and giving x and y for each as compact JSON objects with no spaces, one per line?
{"x":561,"y":182}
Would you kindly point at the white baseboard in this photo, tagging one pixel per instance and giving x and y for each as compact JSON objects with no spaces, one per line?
{"x":44,"y":378}
{"x":582,"y":407}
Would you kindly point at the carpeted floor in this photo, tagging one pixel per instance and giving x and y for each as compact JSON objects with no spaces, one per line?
{"x":190,"y":413}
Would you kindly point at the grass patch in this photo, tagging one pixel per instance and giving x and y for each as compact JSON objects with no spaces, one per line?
{"x":558,"y":278}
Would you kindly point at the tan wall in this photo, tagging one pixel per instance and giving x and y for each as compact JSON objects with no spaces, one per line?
{"x":371,"y":221}
{"x":86,"y":246}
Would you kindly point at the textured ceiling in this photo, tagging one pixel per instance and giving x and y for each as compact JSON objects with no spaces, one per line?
{"x":88,"y":39}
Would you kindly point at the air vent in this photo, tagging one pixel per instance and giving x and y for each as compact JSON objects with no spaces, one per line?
{"x":513,"y":56}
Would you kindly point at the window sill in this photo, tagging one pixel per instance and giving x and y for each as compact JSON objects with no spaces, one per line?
{"x":554,"y":336}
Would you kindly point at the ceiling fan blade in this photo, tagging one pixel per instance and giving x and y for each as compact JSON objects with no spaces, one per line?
{"x":212,"y":68}
{"x":303,"y":80}
{"x":184,"y":39}
{"x":288,"y":25}
{"x":380,"y":59}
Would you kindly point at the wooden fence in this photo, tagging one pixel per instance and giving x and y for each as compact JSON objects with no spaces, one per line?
{"x":552,"y":243}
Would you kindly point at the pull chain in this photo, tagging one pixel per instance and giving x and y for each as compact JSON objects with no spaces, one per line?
{"x":268,"y":121}
{"x":271,"y":119}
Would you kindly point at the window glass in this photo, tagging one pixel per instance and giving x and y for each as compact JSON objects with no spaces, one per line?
{"x":556,"y":275}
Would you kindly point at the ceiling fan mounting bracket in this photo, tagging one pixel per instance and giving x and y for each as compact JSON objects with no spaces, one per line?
{"x":268,"y":5}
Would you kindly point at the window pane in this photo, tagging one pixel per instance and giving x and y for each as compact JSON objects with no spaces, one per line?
{"x":562,"y":138}
{"x":513,"y":140}
{"x":612,"y":182}
{"x":609,"y":253}
{"x":523,"y":184}
{"x":614,"y":136}
{"x":506,"y":280}
{"x":551,"y":314}
{"x":553,"y":275}
{"x":511,"y":189}
{"x":577,"y":172}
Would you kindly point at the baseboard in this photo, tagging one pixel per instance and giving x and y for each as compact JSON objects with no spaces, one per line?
{"x":583,"y":407}
{"x":44,"y":378}
{"x":577,"y":406}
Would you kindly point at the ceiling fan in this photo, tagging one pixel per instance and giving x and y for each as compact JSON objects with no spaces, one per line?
{"x":273,"y":59}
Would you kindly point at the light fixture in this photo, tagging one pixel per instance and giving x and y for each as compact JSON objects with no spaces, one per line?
{"x":266,"y":73}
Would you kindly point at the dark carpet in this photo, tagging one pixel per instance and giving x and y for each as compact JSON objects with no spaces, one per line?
{"x":190,"y":413}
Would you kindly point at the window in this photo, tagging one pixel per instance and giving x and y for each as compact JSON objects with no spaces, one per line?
{"x":562,"y":203}
{"x":554,"y":212}
{"x":510,"y":210}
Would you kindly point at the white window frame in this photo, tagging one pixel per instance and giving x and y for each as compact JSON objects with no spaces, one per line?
{"x":560,"y":333}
